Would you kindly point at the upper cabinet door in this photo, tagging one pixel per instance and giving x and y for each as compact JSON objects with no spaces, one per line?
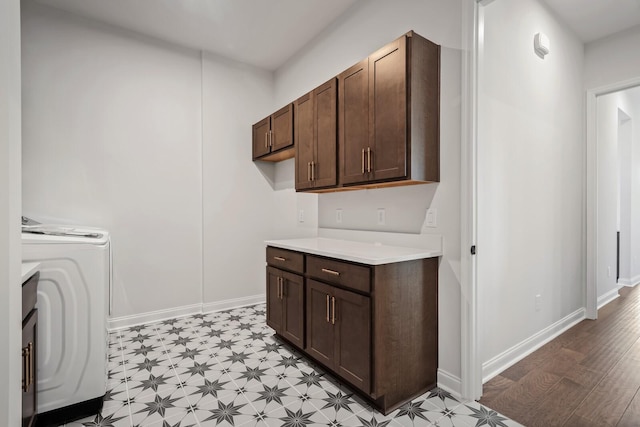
{"x":387,"y":157}
{"x":353,"y":119}
{"x":273,"y":136}
{"x":261,"y":138}
{"x":304,"y":135}
{"x":316,"y":138}
{"x":282,"y":128}
{"x":324,"y":168}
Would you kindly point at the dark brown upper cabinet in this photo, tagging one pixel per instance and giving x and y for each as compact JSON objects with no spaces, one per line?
{"x":273,"y":136}
{"x":316,"y":138}
{"x":389,"y":115}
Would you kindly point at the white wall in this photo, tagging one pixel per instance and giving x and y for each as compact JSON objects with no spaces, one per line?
{"x":112,"y":138}
{"x":530,"y":176}
{"x":153,"y":142}
{"x":241,"y":207}
{"x":612,"y":59}
{"x":10,"y":259}
{"x":364,"y":28}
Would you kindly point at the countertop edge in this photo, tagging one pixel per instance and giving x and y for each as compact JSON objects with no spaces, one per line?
{"x":420,"y":253}
{"x":29,"y":269}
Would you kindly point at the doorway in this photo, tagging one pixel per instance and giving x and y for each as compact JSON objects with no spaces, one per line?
{"x":613,"y":192}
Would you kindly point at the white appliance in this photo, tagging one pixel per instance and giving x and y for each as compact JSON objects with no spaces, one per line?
{"x":73,"y":302}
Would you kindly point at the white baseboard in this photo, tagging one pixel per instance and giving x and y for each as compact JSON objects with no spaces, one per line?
{"x":634,"y":281}
{"x":450,"y":383}
{"x":232,"y":303}
{"x":519,"y":351}
{"x":607,"y":298}
{"x":153,"y":316}
{"x":117,"y":323}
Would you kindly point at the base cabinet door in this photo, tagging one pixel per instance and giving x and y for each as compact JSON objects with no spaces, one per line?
{"x":293,"y":305}
{"x":351,"y":315}
{"x":320,"y":337}
{"x":339,"y":331}
{"x":285,"y":304}
{"x":29,"y":377}
{"x":275,"y":312}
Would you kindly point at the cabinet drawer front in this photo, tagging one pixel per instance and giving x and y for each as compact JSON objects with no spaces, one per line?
{"x":351,"y":276}
{"x":287,"y":260}
{"x":29,"y":294}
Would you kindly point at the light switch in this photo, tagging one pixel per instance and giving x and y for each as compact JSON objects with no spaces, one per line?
{"x":339,"y":216}
{"x":301,"y":215}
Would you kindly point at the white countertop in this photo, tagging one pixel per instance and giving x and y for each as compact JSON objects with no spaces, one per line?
{"x":364,"y":253}
{"x":28,"y":269}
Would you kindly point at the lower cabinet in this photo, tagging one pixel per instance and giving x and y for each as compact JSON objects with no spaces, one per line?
{"x":29,"y":351}
{"x":375,"y":327}
{"x":339,"y":332}
{"x":285,"y":304}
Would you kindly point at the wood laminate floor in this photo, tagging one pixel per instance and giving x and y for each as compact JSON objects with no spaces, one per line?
{"x":588,"y":376}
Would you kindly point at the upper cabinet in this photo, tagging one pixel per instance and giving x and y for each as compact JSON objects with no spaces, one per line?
{"x":389,"y":115}
{"x":377,"y":124}
{"x":273,"y":136}
{"x":316,"y":138}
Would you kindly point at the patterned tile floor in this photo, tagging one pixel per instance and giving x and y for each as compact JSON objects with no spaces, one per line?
{"x":226,"y":369}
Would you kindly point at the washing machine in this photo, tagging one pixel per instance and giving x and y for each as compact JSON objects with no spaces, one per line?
{"x":73,"y":304}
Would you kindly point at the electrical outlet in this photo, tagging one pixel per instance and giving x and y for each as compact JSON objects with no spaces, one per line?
{"x":608,"y":271}
{"x":301,"y":215}
{"x":431,"y":220}
{"x":538,"y":302}
{"x":382,"y":216}
{"x":339,"y":216}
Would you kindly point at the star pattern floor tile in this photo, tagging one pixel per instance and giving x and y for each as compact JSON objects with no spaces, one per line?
{"x":227,"y":369}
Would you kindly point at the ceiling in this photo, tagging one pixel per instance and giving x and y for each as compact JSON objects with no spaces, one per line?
{"x":594,"y":19}
{"x":266,"y":33}
{"x":257,"y":32}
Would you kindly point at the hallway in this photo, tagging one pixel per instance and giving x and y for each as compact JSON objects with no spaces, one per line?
{"x":588,"y":376}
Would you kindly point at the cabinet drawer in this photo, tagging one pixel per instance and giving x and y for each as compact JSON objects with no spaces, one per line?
{"x":351,"y":276}
{"x":29,"y":294}
{"x":287,"y":260}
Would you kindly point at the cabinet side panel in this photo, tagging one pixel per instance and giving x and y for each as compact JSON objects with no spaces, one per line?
{"x":405,"y":329}
{"x":424,"y":105}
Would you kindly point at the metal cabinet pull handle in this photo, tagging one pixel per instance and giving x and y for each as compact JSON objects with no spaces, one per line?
{"x":313,"y":171}
{"x":270,"y":138}
{"x":32,"y":367}
{"x":25,"y":369}
{"x":363,"y":160}
{"x":368,"y":159}
{"x":333,"y":310}
{"x":328,"y":298}
{"x":279,"y":258}
{"x":335,"y":273}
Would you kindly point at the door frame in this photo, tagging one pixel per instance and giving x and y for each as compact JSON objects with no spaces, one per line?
{"x":470,"y":361}
{"x":591,"y":190}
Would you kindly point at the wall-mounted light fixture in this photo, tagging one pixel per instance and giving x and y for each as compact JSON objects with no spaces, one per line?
{"x":541,"y":44}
